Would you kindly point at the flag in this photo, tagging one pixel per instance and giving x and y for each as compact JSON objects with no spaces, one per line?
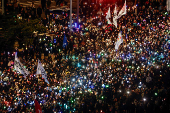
{"x":41,"y":70}
{"x":65,"y":41}
{"x":123,"y":10}
{"x":115,"y":17}
{"x":109,"y":22}
{"x":37,"y":107}
{"x":119,"y":40}
{"x":108,"y":14}
{"x":115,"y":11}
{"x":18,"y":66}
{"x":115,"y":21}
{"x":168,"y":5}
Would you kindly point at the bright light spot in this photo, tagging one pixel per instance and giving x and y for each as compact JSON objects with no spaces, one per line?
{"x":144,"y":99}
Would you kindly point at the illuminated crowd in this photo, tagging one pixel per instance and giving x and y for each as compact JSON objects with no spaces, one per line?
{"x":89,"y":75}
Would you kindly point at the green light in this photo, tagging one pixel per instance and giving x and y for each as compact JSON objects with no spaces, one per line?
{"x":51,"y":44}
{"x":130,"y":66}
{"x":78,"y":65}
{"x":102,"y":97}
{"x":4,"y":107}
{"x":73,"y":57}
{"x":72,"y":101}
{"x":83,"y":67}
{"x":89,"y":90}
{"x":156,"y":94}
{"x":102,"y":54}
{"x":107,"y":86}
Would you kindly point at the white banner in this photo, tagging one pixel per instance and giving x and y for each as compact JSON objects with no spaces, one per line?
{"x":108,"y":14}
{"x":115,"y":21}
{"x":123,"y":10}
{"x":115,"y":11}
{"x":115,"y":17}
{"x":41,"y":70}
{"x":119,"y":40}
{"x":109,"y":22}
{"x":18,"y":66}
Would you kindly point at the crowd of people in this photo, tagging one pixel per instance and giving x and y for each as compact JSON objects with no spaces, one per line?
{"x":89,"y":75}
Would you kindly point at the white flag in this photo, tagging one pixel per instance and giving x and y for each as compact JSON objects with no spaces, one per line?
{"x":115,"y":21}
{"x":168,"y":5}
{"x":109,"y":22}
{"x":115,"y":11}
{"x":18,"y":66}
{"x":108,"y":14}
{"x":119,"y":40}
{"x":115,"y":17}
{"x":123,"y":10}
{"x":41,"y":70}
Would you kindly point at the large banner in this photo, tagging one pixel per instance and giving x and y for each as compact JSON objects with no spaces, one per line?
{"x":119,"y":40}
{"x":123,"y":10}
{"x":41,"y":70}
{"x":18,"y":66}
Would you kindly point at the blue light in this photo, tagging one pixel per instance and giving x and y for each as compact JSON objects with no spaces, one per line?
{"x":75,"y":24}
{"x":54,"y":41}
{"x":98,"y":56}
{"x":142,"y":58}
{"x":92,"y":86}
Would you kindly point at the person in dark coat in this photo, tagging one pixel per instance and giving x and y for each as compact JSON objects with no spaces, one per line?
{"x":39,"y":11}
{"x":43,"y":4}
